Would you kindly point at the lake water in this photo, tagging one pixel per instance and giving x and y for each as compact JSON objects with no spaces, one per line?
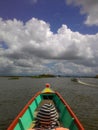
{"x":83,"y":99}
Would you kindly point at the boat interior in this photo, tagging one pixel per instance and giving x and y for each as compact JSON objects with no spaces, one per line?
{"x":27,"y":121}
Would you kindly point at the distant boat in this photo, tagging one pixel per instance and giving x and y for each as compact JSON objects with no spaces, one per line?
{"x":47,"y":110}
{"x":75,"y":79}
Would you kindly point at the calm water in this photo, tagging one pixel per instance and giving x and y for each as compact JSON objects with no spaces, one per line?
{"x":83,"y":99}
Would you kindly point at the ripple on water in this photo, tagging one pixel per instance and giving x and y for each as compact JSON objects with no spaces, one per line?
{"x":14,"y":94}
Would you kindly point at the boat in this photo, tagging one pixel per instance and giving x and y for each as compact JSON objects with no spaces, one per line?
{"x":75,"y":79}
{"x":44,"y":105}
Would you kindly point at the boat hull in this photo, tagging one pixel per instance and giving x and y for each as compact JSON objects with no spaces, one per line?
{"x":26,"y":117}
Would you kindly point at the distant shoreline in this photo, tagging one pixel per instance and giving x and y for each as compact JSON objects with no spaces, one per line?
{"x":48,"y":76}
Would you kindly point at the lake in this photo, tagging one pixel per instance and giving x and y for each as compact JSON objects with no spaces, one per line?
{"x":83,"y":99}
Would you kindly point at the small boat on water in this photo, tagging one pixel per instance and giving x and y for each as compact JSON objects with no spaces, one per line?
{"x":75,"y":79}
{"x":47,"y":110}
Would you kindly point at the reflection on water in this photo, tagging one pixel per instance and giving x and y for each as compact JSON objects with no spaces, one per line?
{"x":14,"y":94}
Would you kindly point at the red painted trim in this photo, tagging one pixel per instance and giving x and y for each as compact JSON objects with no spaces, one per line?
{"x":13,"y":124}
{"x":71,"y":112}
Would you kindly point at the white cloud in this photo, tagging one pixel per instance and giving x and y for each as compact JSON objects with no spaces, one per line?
{"x":32,"y":48}
{"x":88,"y":7}
{"x":33,"y":2}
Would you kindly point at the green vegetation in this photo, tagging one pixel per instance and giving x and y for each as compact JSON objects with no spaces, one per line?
{"x":43,"y":76}
{"x":13,"y":77}
{"x":30,"y":76}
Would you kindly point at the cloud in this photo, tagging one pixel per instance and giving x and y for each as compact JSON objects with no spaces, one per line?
{"x":32,"y":48}
{"x":88,"y":7}
{"x":33,"y":2}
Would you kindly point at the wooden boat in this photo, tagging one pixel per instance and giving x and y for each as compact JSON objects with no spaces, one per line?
{"x":75,"y":79}
{"x":26,"y":118}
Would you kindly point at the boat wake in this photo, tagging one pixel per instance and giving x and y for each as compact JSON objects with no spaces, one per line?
{"x":87,"y":84}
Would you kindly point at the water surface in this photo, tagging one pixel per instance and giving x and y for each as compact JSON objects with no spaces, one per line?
{"x":83,"y":99}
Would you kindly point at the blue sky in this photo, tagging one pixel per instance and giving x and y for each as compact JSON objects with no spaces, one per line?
{"x":54,"y":36}
{"x":55,"y":12}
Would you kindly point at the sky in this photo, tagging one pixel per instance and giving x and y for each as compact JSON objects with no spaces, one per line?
{"x":49,"y":37}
